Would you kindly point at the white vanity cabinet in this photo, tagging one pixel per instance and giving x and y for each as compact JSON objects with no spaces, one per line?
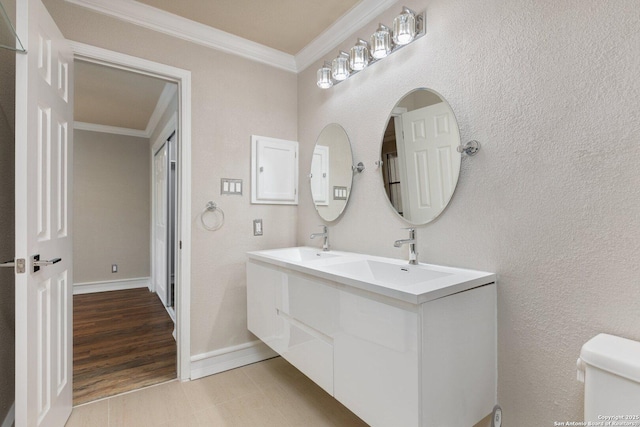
{"x":427,"y":365}
{"x":295,"y":317}
{"x":390,"y":361}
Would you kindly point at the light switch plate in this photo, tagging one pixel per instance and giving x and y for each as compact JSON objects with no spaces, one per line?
{"x":231,"y":186}
{"x":339,"y":193}
{"x":257,"y":227}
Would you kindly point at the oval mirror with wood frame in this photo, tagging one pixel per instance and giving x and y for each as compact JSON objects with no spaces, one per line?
{"x":420,"y":161}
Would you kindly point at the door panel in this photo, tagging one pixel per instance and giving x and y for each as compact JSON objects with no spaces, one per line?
{"x":429,"y":145}
{"x":160,"y":175}
{"x":44,"y":111}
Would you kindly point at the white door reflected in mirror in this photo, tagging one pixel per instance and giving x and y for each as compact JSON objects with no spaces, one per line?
{"x":331,"y":172}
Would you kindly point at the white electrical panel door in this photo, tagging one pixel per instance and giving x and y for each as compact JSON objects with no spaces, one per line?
{"x":274,"y":171}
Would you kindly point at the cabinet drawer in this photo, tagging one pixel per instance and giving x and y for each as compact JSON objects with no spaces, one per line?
{"x":311,"y":303}
{"x":309,"y":352}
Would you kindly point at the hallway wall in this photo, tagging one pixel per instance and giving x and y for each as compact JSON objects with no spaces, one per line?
{"x":111,"y":207}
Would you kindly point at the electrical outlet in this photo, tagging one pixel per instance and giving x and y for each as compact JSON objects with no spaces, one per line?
{"x":257,"y":227}
{"x":114,"y":268}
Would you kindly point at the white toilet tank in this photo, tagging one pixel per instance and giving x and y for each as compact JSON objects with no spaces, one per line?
{"x":609,"y":366}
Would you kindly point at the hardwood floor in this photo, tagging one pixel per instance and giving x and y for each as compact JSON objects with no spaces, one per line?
{"x":121,"y":341}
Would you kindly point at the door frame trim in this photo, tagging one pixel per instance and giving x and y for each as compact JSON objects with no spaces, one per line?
{"x":182,"y":77}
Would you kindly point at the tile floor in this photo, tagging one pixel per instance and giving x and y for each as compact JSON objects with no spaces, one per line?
{"x":269,"y":393}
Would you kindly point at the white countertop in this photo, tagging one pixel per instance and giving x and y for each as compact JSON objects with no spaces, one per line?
{"x":394,"y":278}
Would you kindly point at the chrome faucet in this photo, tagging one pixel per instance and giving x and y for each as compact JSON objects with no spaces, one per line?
{"x":325,"y":234}
{"x":411,"y":241}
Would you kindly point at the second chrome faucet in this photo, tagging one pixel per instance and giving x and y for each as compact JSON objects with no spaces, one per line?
{"x":325,"y":234}
{"x":411,"y":241}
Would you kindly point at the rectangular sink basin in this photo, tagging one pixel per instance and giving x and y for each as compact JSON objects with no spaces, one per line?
{"x":390,"y":274}
{"x":301,"y":254}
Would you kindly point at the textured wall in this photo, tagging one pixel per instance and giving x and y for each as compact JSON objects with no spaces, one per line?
{"x":7,"y":229}
{"x":232,"y":98}
{"x":552,"y":201}
{"x":111,"y":206}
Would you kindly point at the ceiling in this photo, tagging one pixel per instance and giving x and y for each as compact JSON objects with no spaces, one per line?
{"x":285,"y":25}
{"x":113,"y":97}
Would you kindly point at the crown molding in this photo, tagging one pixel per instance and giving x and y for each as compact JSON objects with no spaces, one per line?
{"x":92,"y":127}
{"x":360,"y":15}
{"x":158,"y":20}
{"x":186,"y":29}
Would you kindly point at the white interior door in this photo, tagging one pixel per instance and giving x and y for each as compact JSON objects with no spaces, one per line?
{"x":320,"y":175}
{"x":430,"y":140}
{"x":43,"y":187}
{"x":160,"y":208}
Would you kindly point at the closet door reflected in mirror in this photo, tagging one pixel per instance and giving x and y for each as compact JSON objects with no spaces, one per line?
{"x":331,"y":172}
{"x":421,"y":164}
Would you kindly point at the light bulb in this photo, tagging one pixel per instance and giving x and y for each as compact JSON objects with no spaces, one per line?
{"x":381,"y":42}
{"x":404,"y":27}
{"x":340,"y":66}
{"x":359,"y":56}
{"x":324,"y":77}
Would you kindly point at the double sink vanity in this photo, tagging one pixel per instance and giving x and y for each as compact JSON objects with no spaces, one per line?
{"x":399,"y":343}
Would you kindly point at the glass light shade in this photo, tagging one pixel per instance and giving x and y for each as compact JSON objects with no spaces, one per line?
{"x":404,"y":27}
{"x":381,"y":42}
{"x":340,"y":67}
{"x":324,"y":77}
{"x":359,"y":56}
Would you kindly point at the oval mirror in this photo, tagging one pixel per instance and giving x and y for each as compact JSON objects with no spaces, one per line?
{"x":420,"y":161}
{"x":331,"y":172}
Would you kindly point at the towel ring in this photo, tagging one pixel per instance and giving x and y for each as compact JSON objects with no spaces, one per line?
{"x":213,"y":208}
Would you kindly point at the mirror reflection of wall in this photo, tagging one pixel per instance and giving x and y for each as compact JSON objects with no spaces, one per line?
{"x":331,"y":172}
{"x":419,"y":153}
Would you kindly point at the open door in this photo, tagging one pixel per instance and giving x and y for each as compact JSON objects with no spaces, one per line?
{"x":44,"y":120}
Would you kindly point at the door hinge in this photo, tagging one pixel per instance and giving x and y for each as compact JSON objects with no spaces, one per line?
{"x":180,"y":245}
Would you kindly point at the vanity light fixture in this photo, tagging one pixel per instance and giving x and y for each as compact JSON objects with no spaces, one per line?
{"x":340,"y":67}
{"x":359,"y":55}
{"x":407,"y":28}
{"x":324,"y":76}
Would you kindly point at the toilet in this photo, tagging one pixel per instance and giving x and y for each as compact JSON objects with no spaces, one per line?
{"x":609,"y":367}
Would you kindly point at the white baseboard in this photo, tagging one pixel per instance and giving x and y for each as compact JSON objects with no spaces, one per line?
{"x":113,"y":285}
{"x":11,"y":416}
{"x":222,"y":360}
